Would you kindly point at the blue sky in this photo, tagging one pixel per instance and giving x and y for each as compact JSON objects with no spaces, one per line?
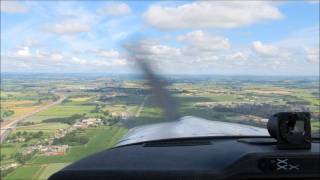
{"x":183,"y":37}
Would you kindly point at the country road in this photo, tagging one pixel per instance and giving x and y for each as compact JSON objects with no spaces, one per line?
{"x":141,"y":106}
{"x":7,"y":126}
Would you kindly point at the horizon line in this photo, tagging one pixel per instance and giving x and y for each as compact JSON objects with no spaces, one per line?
{"x":164,"y":74}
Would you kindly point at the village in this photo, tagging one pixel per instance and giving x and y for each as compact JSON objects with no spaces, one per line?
{"x":49,"y":149}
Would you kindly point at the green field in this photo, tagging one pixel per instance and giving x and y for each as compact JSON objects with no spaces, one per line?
{"x":45,"y":127}
{"x":35,"y":172}
{"x":37,"y":119}
{"x":41,"y":167}
{"x":48,"y":129}
{"x":116,"y":101}
{"x":63,"y":110}
{"x":50,"y":169}
{"x":60,"y":111}
{"x":100,"y":139}
{"x":24,"y":173}
{"x":8,"y":151}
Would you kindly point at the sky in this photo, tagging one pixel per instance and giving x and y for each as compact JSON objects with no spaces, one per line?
{"x":177,"y":37}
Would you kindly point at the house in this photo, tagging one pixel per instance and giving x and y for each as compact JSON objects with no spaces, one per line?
{"x":91,"y":121}
{"x":12,"y":165}
{"x":56,"y":150}
{"x":79,"y":125}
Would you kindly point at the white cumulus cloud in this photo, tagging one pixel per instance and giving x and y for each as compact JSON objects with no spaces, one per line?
{"x":13,"y":7}
{"x":264,"y":49}
{"x":56,"y":56}
{"x":147,"y":47}
{"x":239,"y":56}
{"x":68,"y":27}
{"x":273,"y":51}
{"x":210,"y":14}
{"x":106,"y":53}
{"x":205,"y":41}
{"x":23,"y":52}
{"x":115,"y":9}
{"x":79,"y":61}
{"x":312,"y":54}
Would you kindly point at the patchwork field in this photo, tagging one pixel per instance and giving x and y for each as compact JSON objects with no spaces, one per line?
{"x":35,"y":172}
{"x":123,"y":103}
{"x":26,"y":172}
{"x":100,"y":139}
{"x":41,"y":167}
{"x":50,"y":169}
{"x":60,"y":111}
{"x":20,"y":108}
{"x":45,"y":127}
{"x":63,"y":110}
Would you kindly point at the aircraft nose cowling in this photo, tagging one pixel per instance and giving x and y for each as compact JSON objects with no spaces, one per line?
{"x":189,"y":126}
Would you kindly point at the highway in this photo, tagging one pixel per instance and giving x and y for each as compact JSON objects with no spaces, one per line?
{"x":6,"y":126}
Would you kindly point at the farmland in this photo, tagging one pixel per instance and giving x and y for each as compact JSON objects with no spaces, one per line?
{"x":43,"y":166}
{"x":100,"y":109}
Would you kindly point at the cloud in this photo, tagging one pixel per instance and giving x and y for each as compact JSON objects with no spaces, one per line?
{"x":312,"y":54}
{"x":41,"y":60}
{"x":239,"y":56}
{"x":24,"y":52}
{"x":175,"y":60}
{"x":68,"y":28}
{"x":273,"y":50}
{"x":106,"y":53}
{"x":115,"y":9}
{"x":13,"y":7}
{"x":307,"y":37}
{"x":263,"y":49}
{"x":151,"y":50}
{"x":300,"y":46}
{"x":258,"y":58}
{"x":205,"y":41}
{"x":86,"y":41}
{"x":79,"y":61}
{"x":56,"y":56}
{"x":69,"y":19}
{"x":99,"y":63}
{"x":195,"y":46}
{"x":226,"y":14}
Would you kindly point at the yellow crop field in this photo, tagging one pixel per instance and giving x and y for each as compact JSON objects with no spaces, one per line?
{"x":12,"y":104}
{"x":270,"y":91}
{"x":20,"y":108}
{"x":80,"y":99}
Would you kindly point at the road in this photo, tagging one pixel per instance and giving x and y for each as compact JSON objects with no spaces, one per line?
{"x":9,"y":125}
{"x":141,"y":106}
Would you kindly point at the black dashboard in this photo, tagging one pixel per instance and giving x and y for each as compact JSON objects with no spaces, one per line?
{"x":198,"y":158}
